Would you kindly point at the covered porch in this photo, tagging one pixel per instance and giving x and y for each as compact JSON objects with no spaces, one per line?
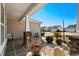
{"x":20,"y":26}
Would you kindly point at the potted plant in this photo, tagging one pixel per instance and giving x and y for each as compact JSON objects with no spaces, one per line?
{"x":49,"y":39}
{"x":59,"y":41}
{"x":42,"y":34}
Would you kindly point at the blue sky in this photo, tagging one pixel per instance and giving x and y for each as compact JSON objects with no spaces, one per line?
{"x":54,"y":13}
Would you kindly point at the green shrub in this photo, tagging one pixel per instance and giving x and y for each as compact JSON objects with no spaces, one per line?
{"x":64,"y":42}
{"x":58,"y":30}
{"x":49,"y":39}
{"x":42,"y":34}
{"x":59,"y":41}
{"x":57,"y":35}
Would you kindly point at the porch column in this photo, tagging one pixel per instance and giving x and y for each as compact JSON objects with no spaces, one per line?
{"x":27,"y":26}
{"x":27,"y":33}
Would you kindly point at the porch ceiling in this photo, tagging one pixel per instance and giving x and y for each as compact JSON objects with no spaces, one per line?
{"x":16,"y":10}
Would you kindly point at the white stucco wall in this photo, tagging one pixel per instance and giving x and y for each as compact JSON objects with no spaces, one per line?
{"x":17,"y":28}
{"x":35,"y":27}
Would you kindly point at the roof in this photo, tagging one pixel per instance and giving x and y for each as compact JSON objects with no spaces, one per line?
{"x":35,"y":21}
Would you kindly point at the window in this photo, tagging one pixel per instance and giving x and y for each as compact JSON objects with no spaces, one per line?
{"x":2,"y":23}
{"x":2,"y":14}
{"x":2,"y":34}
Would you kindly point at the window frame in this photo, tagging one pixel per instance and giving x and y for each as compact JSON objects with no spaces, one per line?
{"x":2,"y":24}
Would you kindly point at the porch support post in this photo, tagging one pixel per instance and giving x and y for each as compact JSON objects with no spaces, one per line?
{"x":27,"y":26}
{"x":27,"y":33}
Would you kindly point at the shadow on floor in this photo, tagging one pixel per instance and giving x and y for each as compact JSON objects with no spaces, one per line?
{"x":15,"y":48}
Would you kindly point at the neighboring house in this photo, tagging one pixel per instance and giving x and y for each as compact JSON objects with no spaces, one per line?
{"x":44,"y":28}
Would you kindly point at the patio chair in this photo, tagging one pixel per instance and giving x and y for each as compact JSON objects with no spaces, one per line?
{"x":9,"y":36}
{"x":59,"y":52}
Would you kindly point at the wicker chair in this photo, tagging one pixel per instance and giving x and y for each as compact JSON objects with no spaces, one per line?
{"x":59,"y":52}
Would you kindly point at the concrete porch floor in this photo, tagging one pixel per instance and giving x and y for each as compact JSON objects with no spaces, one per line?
{"x":15,"y":48}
